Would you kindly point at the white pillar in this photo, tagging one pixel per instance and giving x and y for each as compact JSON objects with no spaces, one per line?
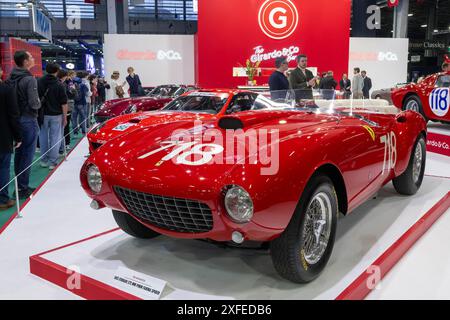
{"x":112,"y":18}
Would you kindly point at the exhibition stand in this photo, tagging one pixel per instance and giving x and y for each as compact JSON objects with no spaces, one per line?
{"x":192,"y":269}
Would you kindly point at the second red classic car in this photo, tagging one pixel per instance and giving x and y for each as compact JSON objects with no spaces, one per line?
{"x":154,"y":100}
{"x":283,"y":182}
{"x":430,"y":97}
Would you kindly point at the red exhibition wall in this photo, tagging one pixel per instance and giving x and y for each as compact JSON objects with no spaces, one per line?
{"x":231,"y":31}
{"x":12,"y":45}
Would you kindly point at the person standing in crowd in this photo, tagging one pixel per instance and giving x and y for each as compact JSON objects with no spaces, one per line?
{"x":117,"y":90}
{"x":302,"y":80}
{"x":26,"y":89}
{"x":79,"y":114}
{"x":278,"y":83}
{"x":357,"y":84}
{"x":63,"y":76}
{"x":445,"y":67}
{"x":87,"y":97}
{"x":328,"y":85}
{"x":345,"y":86}
{"x":10,"y":139}
{"x":94,"y":97}
{"x":102,"y":86}
{"x":54,"y":104}
{"x":134,"y":83}
{"x":367,"y":85}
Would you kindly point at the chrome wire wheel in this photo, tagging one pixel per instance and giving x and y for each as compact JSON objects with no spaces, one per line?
{"x":417,"y":164}
{"x":412,"y":105}
{"x":317,"y":228}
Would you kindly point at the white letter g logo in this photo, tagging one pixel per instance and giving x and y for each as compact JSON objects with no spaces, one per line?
{"x":282,"y":19}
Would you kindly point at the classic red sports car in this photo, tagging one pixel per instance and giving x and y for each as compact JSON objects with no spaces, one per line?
{"x":430,"y":97}
{"x":276,"y":174}
{"x":199,"y":105}
{"x":154,"y":100}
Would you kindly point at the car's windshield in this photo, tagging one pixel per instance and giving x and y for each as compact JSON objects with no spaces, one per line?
{"x":164,"y":91}
{"x":443,"y":81}
{"x":198,"y":102}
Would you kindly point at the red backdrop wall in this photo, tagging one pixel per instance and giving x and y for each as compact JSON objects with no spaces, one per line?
{"x":229,"y":31}
{"x":12,"y":45}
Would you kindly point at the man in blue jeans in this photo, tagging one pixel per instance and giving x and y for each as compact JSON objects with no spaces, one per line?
{"x":26,"y":90}
{"x":10,"y":138}
{"x":54,"y":104}
{"x":79,"y":112}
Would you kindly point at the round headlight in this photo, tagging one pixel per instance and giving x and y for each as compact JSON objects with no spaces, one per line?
{"x":239,"y":204}
{"x":94,"y":178}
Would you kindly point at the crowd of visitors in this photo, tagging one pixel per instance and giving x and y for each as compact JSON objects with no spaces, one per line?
{"x":302,"y":82}
{"x":42,"y":113}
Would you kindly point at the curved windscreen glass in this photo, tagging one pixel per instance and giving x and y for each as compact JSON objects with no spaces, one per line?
{"x":164,"y":91}
{"x":203,"y":103}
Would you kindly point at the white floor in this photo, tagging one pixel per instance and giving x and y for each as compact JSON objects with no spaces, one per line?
{"x":424,"y":272}
{"x":60,"y":214}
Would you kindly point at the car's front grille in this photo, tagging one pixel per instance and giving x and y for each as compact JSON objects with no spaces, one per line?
{"x":101,"y":119}
{"x":174,"y":214}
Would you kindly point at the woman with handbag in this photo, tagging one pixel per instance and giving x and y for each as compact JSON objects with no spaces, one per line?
{"x":117,"y":90}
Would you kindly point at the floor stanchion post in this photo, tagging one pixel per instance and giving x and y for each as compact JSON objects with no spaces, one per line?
{"x":17,"y":198}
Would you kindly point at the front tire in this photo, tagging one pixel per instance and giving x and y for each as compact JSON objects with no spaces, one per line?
{"x":302,"y":251}
{"x":413,"y":103}
{"x":410,"y":181}
{"x":131,"y":226}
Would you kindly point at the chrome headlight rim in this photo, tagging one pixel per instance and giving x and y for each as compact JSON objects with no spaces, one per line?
{"x":238,"y":204}
{"x":94,"y":178}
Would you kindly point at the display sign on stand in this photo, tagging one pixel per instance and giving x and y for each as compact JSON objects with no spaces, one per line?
{"x":234,"y":31}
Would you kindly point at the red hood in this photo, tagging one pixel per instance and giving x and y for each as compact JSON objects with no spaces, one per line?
{"x":133,"y":122}
{"x":128,"y":154}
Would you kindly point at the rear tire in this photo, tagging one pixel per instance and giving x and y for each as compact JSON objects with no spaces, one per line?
{"x":413,"y":103}
{"x":410,"y":181}
{"x":295,"y":254}
{"x":131,"y":226}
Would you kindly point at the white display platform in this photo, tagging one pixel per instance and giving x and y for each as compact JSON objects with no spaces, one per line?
{"x":420,"y":277}
{"x":199,"y":270}
{"x":60,"y":214}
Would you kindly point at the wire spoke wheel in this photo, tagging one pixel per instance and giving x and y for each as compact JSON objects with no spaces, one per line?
{"x":412,"y":105}
{"x":317,"y":228}
{"x":417,"y":165}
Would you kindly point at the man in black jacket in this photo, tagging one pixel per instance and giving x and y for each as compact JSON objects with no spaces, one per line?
{"x":28,"y":101}
{"x":10,"y":138}
{"x":278,"y":83}
{"x":134,"y":82}
{"x":328,"y":85}
{"x":302,"y":80}
{"x":367,"y":85}
{"x":54,"y":102}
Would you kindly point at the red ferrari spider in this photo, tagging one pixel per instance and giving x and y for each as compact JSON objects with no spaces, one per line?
{"x":275,"y":174}
{"x":195,"y":105}
{"x":430,"y":97}
{"x":154,"y":100}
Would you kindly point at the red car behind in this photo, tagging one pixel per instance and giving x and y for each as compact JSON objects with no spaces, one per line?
{"x":155,"y":99}
{"x":430,"y":97}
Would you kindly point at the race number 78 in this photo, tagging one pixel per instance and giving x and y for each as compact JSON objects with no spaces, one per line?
{"x":390,"y":151}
